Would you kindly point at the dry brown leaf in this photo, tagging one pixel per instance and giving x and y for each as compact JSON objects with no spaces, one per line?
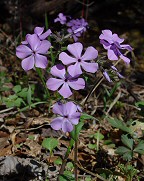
{"x":6,"y":151}
{"x":34,"y":148}
{"x":4,"y":142}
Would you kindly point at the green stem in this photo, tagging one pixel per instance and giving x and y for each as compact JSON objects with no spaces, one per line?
{"x":43,"y":81}
{"x":48,"y":164}
{"x":49,"y":38}
{"x":75,"y":159}
{"x":65,"y":158}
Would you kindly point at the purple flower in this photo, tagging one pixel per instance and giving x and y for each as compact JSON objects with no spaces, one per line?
{"x":106,"y":75}
{"x":39,"y":32}
{"x":61,"y":18}
{"x":64,"y":81}
{"x":79,"y":61}
{"x":75,"y":24}
{"x":112,"y":43}
{"x":116,"y":71}
{"x":32,"y":53}
{"x":68,"y":116}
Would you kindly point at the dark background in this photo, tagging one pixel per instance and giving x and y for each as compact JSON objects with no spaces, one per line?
{"x":124,"y":17}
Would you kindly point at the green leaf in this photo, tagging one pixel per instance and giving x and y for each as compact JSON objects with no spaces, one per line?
{"x":70,"y":165}
{"x":13,"y":100}
{"x":17,"y":88}
{"x":104,"y":171}
{"x":23,"y":93}
{"x":85,"y":116}
{"x":125,"y":152}
{"x":18,"y":102}
{"x":88,"y":178}
{"x":31,"y":137}
{"x":128,"y":170}
{"x":50,"y":144}
{"x":119,"y":124}
{"x":140,"y":104}
{"x":92,"y":146}
{"x":75,"y":132}
{"x":121,"y":150}
{"x":114,"y":88}
{"x":12,"y":97}
{"x":108,"y":93}
{"x":29,"y":96}
{"x":127,"y":141}
{"x":127,"y":156}
{"x":140,"y":147}
{"x":67,"y":176}
{"x":58,"y":161}
{"x":98,"y":136}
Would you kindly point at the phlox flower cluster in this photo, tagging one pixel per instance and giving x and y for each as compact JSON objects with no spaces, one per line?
{"x":61,"y":18}
{"x":75,"y":27}
{"x":112,"y":43}
{"x":66,"y":79}
{"x":77,"y":24}
{"x":68,"y":115}
{"x":34,"y":49}
{"x":66,"y":75}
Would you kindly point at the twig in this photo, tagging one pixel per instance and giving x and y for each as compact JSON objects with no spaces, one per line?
{"x":85,"y":4}
{"x":113,"y":103}
{"x":31,"y":129}
{"x":75,"y":160}
{"x":91,"y":173}
{"x":6,"y":110}
{"x":97,"y":83}
{"x":7,"y":50}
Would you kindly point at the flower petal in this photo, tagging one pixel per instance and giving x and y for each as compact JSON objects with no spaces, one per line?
{"x":58,"y":71}
{"x":53,"y":83}
{"x":105,"y":44}
{"x":70,"y":108}
{"x":34,"y":41}
{"x":75,"y":69}
{"x":75,"y":118}
{"x":28,"y":63}
{"x":56,"y":124}
{"x":116,"y":38}
{"x":127,"y":47}
{"x":58,"y":109}
{"x":45,"y":35}
{"x":90,"y":54}
{"x":22,"y":51}
{"x":67,"y":126}
{"x":66,"y":59}
{"x":74,"y":121}
{"x":75,"y":49}
{"x":112,"y":55}
{"x":75,"y":38}
{"x":106,"y":75}
{"x":38,"y":30}
{"x":106,"y":35}
{"x":43,"y":47}
{"x":125,"y":59}
{"x":65,"y":91}
{"x":77,"y":84}
{"x":41,"y":61}
{"x":90,"y":67}
{"x":24,"y":42}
